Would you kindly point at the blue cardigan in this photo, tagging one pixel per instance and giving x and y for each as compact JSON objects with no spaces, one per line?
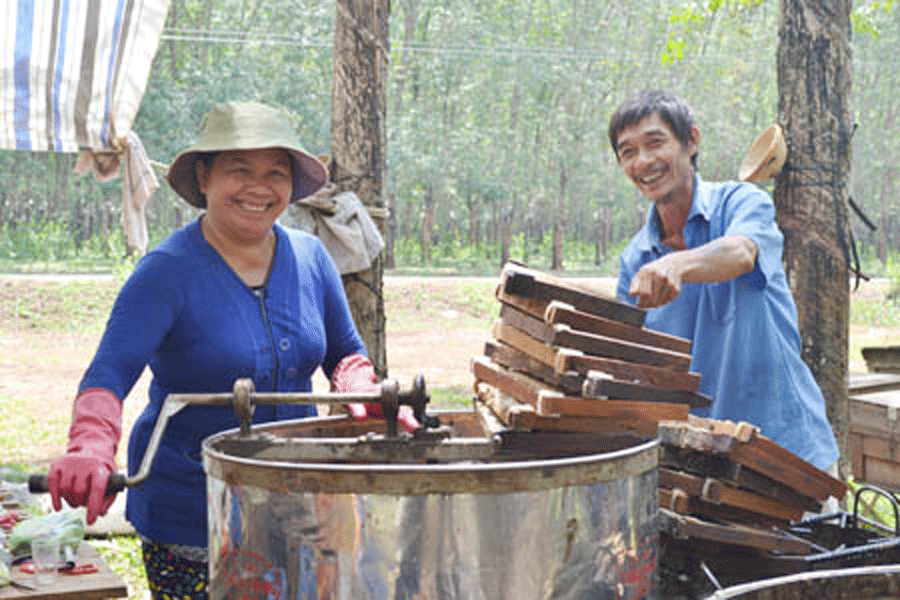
{"x":186,"y":315}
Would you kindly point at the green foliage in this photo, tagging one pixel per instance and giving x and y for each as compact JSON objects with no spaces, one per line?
{"x":868,"y":17}
{"x":48,"y":246}
{"x":36,"y":240}
{"x":873,"y":506}
{"x":880,"y":312}
{"x":453,"y":255}
{"x":892,"y":272}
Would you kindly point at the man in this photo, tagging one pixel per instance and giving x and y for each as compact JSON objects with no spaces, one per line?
{"x":707,"y":266}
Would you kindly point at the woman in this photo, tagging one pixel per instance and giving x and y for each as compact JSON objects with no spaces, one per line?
{"x":230,"y":295}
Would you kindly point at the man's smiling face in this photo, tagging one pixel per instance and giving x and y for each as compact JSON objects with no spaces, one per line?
{"x":656,"y":161}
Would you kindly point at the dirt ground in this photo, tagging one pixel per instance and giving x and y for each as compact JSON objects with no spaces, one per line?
{"x":434,"y":327}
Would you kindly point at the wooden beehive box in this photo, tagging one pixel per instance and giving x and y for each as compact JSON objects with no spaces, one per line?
{"x":875,"y":428}
{"x":882,"y":359}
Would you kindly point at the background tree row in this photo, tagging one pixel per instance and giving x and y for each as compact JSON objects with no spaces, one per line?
{"x":496,"y":125}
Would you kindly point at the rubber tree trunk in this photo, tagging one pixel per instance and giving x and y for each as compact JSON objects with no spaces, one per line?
{"x":814,"y":76}
{"x":358,"y":145}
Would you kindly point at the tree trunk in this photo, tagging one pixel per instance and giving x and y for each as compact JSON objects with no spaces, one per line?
{"x":884,"y":198}
{"x":558,"y":220}
{"x":427,"y":223}
{"x":358,"y":145}
{"x":814,"y":70}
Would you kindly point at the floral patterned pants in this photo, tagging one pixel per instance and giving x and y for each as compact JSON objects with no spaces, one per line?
{"x":172,"y":576}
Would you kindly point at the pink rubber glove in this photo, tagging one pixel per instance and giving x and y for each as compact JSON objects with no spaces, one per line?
{"x":355,"y":373}
{"x":81,"y":474}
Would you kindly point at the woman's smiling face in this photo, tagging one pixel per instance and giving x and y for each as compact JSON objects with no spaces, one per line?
{"x":246,"y":190}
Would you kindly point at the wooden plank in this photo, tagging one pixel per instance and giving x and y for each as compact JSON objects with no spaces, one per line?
{"x":560,"y":313}
{"x":546,"y":401}
{"x":601,"y":385}
{"x":855,"y":443}
{"x":887,"y":449}
{"x":521,"y":387}
{"x":876,"y":412}
{"x":533,"y":326}
{"x":721,"y":467}
{"x":506,"y":356}
{"x":747,"y":441}
{"x":745,"y":445}
{"x":714,"y":491}
{"x":679,"y":502}
{"x":522,"y":281}
{"x":536,"y":307}
{"x":608,"y":347}
{"x":764,"y":451}
{"x":685,"y":527}
{"x":864,"y":383}
{"x":881,"y":472}
{"x":490,"y":422}
{"x":882,"y":359}
{"x":638,"y":424}
{"x":575,"y":360}
{"x":91,"y":586}
{"x":524,"y":343}
{"x":519,"y":416}
{"x":613,"y":409}
{"x":504,"y":407}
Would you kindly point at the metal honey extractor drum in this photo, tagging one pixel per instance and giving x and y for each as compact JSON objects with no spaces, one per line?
{"x":875,"y":582}
{"x":320,"y":509}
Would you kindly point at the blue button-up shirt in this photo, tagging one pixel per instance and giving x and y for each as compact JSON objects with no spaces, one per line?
{"x":744,"y":335}
{"x":185,"y":313}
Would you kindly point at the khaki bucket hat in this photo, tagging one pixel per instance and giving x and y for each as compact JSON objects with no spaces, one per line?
{"x":245,"y":126}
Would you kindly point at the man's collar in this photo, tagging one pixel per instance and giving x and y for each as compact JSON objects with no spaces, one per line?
{"x":701,"y":205}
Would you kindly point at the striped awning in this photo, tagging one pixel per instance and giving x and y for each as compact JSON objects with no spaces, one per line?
{"x":74,"y":71}
{"x":72,"y":75}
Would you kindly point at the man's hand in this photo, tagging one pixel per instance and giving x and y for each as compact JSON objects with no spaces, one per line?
{"x":658,"y":282}
{"x":722,"y":259}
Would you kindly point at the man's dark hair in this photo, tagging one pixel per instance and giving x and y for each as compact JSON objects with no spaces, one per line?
{"x":674,"y":111}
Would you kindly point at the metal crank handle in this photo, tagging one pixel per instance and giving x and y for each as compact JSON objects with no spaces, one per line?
{"x":37,"y":484}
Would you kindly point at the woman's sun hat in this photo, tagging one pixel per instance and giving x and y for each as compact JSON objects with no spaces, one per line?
{"x":245,"y":126}
{"x":766,"y":156}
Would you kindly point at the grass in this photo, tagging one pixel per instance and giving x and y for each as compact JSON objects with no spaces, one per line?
{"x":123,"y":555}
{"x":19,"y":423}
{"x":451,"y":397}
{"x":65,"y":306}
{"x":419,"y":304}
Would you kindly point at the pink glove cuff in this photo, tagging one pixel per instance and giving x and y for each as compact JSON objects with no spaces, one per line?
{"x":96,"y":425}
{"x":81,"y":474}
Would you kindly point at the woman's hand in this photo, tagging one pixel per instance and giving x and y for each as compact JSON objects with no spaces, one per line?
{"x":80,"y":476}
{"x":355,"y":373}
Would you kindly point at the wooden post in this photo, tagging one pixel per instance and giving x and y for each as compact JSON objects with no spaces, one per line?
{"x":358,"y":145}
